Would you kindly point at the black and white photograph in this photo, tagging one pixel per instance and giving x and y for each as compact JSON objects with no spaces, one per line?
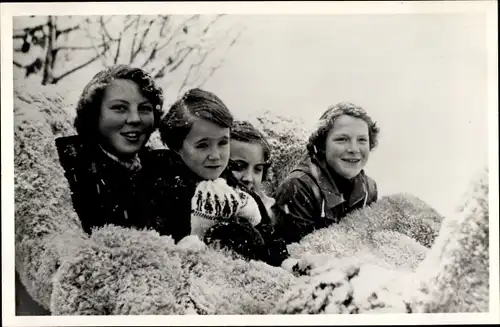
{"x":261,"y":162}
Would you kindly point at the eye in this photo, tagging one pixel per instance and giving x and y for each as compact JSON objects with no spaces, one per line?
{"x":363,"y":140}
{"x":340,"y":139}
{"x":223,"y":142}
{"x":202,"y":145}
{"x":119,"y":107}
{"x":146,"y":108}
{"x":237,"y":166}
{"x":259,"y":169}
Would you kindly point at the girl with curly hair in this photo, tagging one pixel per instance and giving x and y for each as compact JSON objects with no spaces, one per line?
{"x":107,"y":164}
{"x":330,"y":181}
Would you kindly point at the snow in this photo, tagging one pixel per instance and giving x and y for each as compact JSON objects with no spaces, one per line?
{"x":441,"y":261}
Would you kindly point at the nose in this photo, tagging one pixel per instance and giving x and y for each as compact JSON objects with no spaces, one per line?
{"x":353,"y":147}
{"x":133,"y":116}
{"x":215,"y":154}
{"x":246,"y":176}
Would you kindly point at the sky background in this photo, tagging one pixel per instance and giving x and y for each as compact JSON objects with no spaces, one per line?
{"x":422,"y":77}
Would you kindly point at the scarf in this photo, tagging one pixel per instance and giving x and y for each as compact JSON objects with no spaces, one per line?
{"x":133,"y":164}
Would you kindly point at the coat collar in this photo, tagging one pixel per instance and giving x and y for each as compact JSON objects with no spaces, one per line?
{"x":318,"y":169}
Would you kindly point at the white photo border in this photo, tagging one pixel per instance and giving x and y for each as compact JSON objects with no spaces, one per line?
{"x":9,"y":10}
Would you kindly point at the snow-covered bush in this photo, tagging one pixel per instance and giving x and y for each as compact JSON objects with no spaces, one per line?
{"x":451,"y":276}
{"x":455,"y":274}
{"x":288,"y":139}
{"x":125,"y":271}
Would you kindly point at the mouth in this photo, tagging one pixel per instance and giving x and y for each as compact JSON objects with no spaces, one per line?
{"x":351,"y":160}
{"x":132,"y":136}
{"x":213,"y":167}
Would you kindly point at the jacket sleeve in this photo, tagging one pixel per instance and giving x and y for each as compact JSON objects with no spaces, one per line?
{"x":372,"y":191}
{"x":273,"y":249}
{"x":84,"y":193}
{"x":276,"y":250}
{"x":297,"y":209}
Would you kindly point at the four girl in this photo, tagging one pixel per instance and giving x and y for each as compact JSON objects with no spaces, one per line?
{"x":209,"y":181}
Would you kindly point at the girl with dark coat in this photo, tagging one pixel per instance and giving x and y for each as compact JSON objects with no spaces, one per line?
{"x":196,"y":181}
{"x":330,"y":181}
{"x":108,"y":167}
{"x":250,"y":160}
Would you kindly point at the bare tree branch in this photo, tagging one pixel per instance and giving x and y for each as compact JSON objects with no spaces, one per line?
{"x":152,"y":54}
{"x":176,"y":32}
{"x":209,"y":25}
{"x":137,"y":21}
{"x":162,"y":43}
{"x":67,"y":30}
{"x":29,"y":29}
{"x":104,"y":29}
{"x":181,"y":60}
{"x":92,"y":39}
{"x":141,"y":41}
{"x":117,"y":54}
{"x":88,"y":47}
{"x":74,"y":69}
{"x":165,"y":20}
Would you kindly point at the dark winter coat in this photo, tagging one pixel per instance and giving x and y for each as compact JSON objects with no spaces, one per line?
{"x":174,"y":191}
{"x":103,"y":191}
{"x":309,"y":199}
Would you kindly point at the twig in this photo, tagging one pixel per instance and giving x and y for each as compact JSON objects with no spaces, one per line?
{"x":18,"y":64}
{"x":117,"y":54}
{"x":68,"y":30}
{"x":57,"y":79}
{"x":76,"y":47}
{"x":175,"y":33}
{"x":141,"y":42}
{"x":137,"y":19}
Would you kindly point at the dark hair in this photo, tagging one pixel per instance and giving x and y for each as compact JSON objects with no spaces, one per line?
{"x":316,"y":143}
{"x":89,"y":104}
{"x":195,"y":103}
{"x":244,"y":131}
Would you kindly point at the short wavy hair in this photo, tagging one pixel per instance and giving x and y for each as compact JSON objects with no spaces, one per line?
{"x":316,"y":142}
{"x":195,"y":103}
{"x":89,"y":104}
{"x":244,"y":131}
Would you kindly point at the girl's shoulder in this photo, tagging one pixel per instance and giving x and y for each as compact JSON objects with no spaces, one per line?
{"x":71,"y":150}
{"x":159,"y":157}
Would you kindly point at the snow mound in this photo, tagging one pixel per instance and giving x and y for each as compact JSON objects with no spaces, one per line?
{"x":398,"y":255}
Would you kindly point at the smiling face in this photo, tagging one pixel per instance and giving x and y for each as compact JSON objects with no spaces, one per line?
{"x":248,"y":159}
{"x":205,"y":150}
{"x":126,"y":118}
{"x":347,"y":146}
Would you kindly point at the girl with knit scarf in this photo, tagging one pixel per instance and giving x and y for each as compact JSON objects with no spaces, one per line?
{"x":107,"y":164}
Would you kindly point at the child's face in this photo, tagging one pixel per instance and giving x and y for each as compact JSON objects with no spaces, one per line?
{"x":347,"y":146}
{"x":205,"y":149}
{"x":249,"y":163}
{"x":126,"y":118}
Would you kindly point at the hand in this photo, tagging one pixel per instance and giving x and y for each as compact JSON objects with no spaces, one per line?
{"x":191,"y":243}
{"x":215,"y":200}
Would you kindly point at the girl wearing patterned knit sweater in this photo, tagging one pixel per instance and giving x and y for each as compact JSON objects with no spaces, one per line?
{"x":199,"y":195}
